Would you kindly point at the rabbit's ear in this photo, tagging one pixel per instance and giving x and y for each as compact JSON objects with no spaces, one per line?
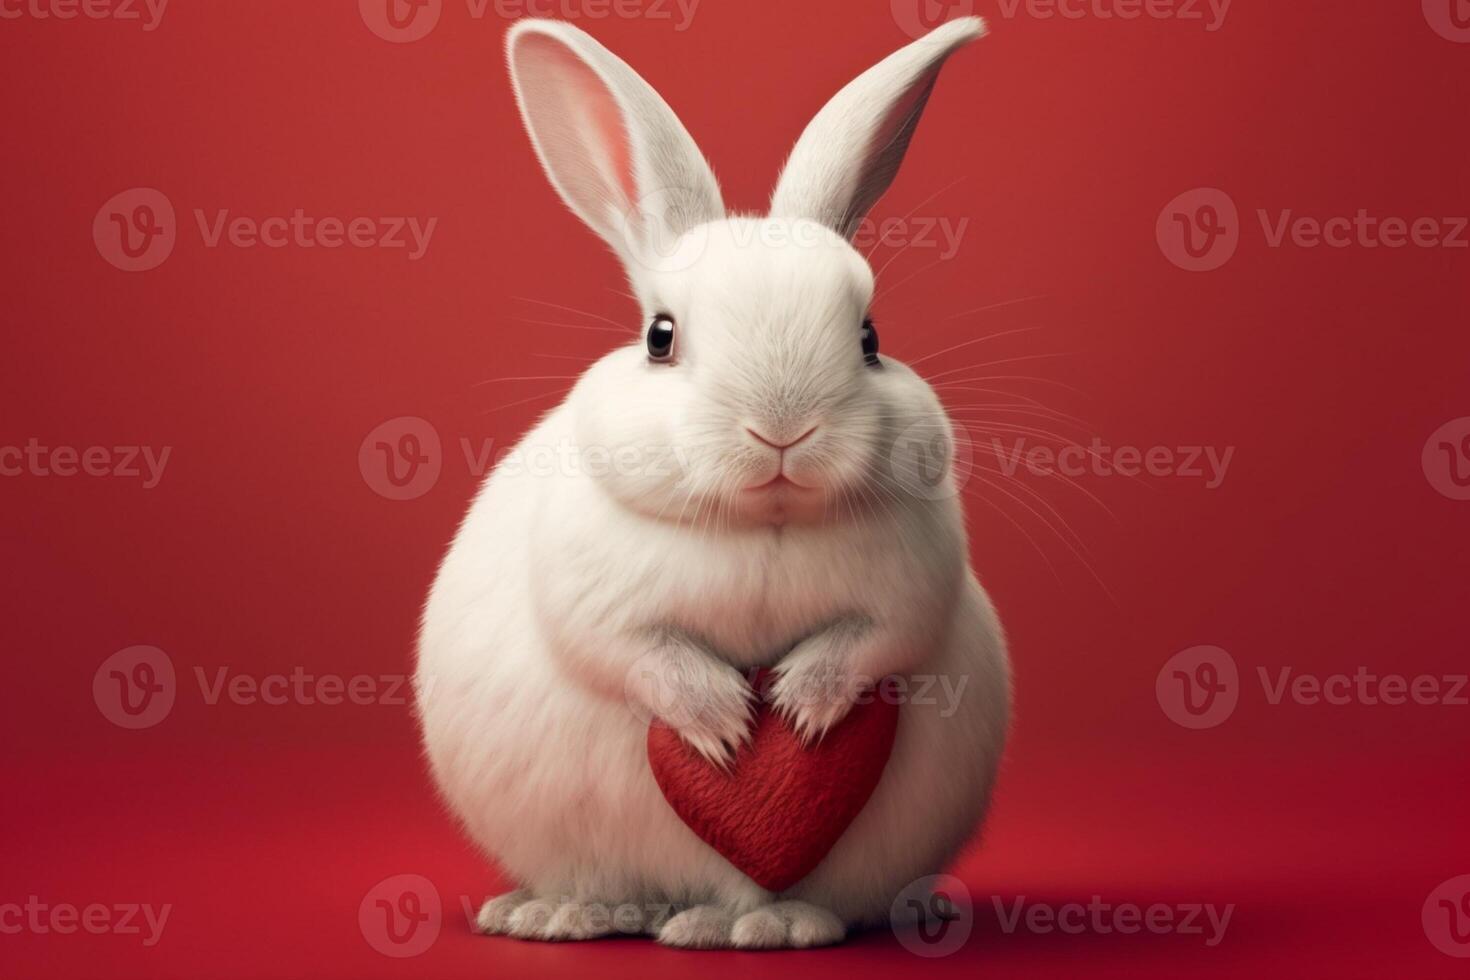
{"x":851,"y":151}
{"x":611,"y":146}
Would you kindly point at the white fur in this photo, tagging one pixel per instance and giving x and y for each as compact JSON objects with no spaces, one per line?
{"x":573,"y":592}
{"x":880,"y":110}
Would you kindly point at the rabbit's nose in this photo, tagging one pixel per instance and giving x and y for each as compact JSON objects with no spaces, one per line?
{"x":776,"y":443}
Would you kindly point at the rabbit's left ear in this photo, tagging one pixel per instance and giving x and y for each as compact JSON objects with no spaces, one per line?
{"x":851,"y":151}
{"x":610,"y":145}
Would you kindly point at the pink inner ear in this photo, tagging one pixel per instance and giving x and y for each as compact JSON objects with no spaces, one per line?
{"x":891,"y":141}
{"x":590,"y":116}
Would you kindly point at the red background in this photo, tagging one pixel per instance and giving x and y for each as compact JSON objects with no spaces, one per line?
{"x":263,"y":549}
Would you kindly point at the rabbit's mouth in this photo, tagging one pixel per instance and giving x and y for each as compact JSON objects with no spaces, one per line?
{"x":778,"y":483}
{"x":781,"y":500}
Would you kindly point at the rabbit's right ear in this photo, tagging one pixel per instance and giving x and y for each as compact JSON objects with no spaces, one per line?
{"x":850,"y":153}
{"x":613,"y":148}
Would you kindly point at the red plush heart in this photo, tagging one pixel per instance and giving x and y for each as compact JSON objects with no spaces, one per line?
{"x":781,"y":807}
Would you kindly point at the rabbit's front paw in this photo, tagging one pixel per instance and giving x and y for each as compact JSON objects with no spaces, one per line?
{"x":815,"y":686}
{"x":717,"y":716}
{"x":704,"y":699}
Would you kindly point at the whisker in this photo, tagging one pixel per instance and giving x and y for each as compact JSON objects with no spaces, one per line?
{"x":971,"y":343}
{"x":906,"y":279}
{"x":1034,"y":410}
{"x":1020,"y":377}
{"x":527,"y":401}
{"x":570,"y":326}
{"x":950,"y":186}
{"x":1040,"y":499}
{"x":1041,"y":552}
{"x":1009,"y":360}
{"x":1004,"y":428}
{"x":1066,"y":481}
{"x":533,"y":377}
{"x":995,"y":306}
{"x":567,"y":357}
{"x":572,"y":309}
{"x":1061,"y":537}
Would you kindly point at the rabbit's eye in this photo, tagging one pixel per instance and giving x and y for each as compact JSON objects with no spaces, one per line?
{"x":661,"y":339}
{"x":870,"y":343}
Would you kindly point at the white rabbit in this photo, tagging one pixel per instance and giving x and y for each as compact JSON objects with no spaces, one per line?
{"x":733,"y":490}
